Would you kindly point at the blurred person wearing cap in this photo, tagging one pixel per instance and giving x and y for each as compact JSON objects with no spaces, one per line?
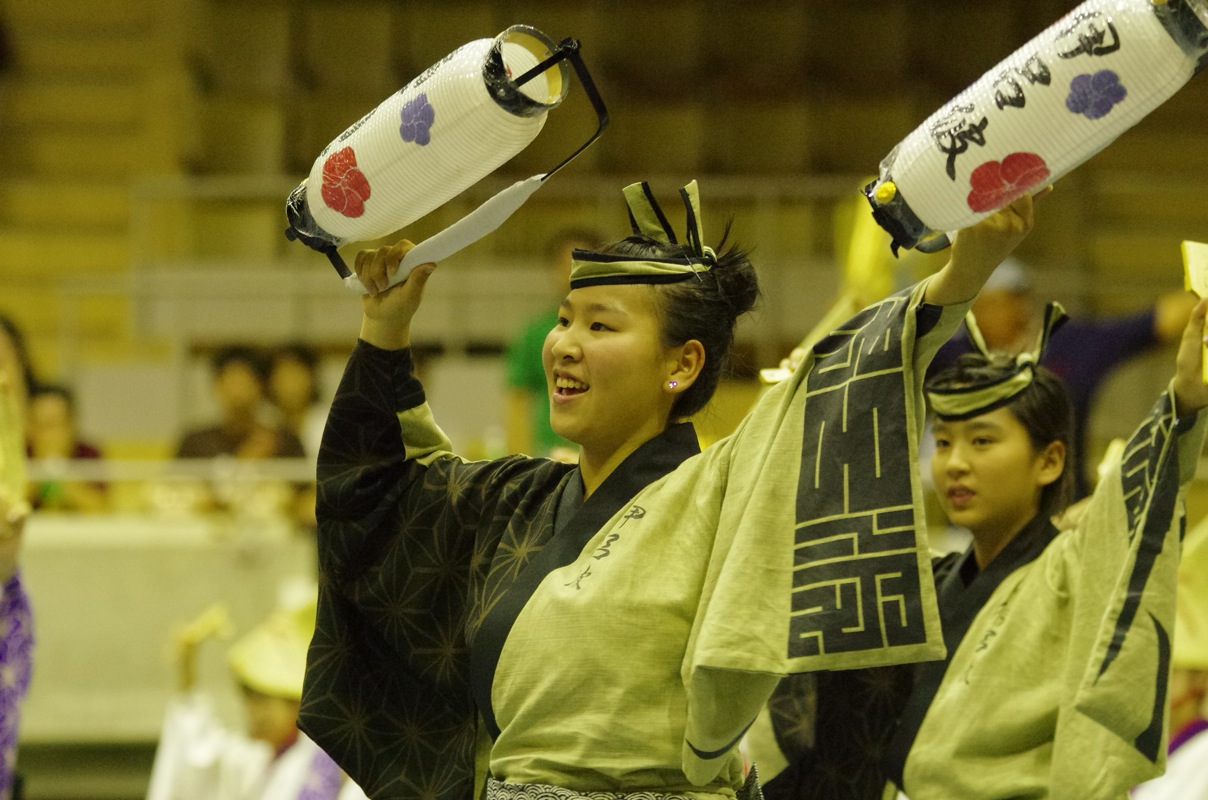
{"x":198,"y":758}
{"x":1058,"y":642}
{"x":614,"y":625}
{"x":1082,"y":353}
{"x":1186,"y":775}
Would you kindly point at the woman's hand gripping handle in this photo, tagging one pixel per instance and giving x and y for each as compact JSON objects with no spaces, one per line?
{"x":387,"y":310}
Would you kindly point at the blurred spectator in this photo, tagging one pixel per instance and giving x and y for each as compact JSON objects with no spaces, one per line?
{"x":239,"y":388}
{"x":247,"y":432}
{"x":16,"y":644}
{"x":16,"y":616}
{"x":53,"y":439}
{"x":198,"y":758}
{"x":1083,"y":352}
{"x":528,"y":428}
{"x":293,"y":387}
{"x":293,"y":384}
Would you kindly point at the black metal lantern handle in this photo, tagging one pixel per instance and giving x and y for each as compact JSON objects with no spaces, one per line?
{"x":568,"y":50}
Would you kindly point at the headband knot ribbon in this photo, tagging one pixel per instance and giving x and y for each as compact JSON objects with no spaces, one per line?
{"x":965,"y":402}
{"x":646,"y":217}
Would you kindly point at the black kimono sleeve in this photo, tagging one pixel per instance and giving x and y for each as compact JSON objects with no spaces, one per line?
{"x":413,"y":541}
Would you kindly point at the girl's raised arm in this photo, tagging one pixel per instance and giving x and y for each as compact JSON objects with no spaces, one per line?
{"x":978,"y":249}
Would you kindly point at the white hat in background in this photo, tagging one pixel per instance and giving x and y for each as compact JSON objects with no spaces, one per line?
{"x":271,"y":658}
{"x":1010,"y":276}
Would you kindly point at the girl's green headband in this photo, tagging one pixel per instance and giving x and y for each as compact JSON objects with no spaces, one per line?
{"x":590,"y":268}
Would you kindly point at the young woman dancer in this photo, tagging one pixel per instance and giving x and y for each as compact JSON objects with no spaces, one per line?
{"x":617,"y":624}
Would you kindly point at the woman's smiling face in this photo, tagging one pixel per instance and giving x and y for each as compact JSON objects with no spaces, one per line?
{"x":607,"y":369}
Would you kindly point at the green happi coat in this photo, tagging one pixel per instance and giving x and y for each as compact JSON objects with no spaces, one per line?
{"x":624,"y":642}
{"x":1059,"y":651}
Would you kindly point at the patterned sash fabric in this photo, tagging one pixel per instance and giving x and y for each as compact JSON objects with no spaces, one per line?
{"x":497,"y":790}
{"x":538,"y":791}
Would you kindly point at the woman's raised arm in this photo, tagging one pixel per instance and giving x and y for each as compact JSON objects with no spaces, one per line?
{"x":978,"y":249}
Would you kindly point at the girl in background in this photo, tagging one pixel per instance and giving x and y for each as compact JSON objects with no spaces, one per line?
{"x":1058,"y":644}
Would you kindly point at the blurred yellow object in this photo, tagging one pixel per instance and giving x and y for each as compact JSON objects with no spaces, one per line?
{"x":862,"y":249}
{"x":1111,"y":457}
{"x":886,"y":192}
{"x":13,"y":480}
{"x":271,"y":658}
{"x":214,"y":621}
{"x":1195,"y":279}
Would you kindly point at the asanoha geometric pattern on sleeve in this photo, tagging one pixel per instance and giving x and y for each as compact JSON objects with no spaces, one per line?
{"x":406,"y":549}
{"x":833,"y":728}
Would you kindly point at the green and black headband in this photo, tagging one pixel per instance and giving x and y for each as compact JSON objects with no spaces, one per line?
{"x":964,"y":402}
{"x":589,"y":268}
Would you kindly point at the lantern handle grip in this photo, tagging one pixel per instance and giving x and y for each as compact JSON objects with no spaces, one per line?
{"x":467,"y":230}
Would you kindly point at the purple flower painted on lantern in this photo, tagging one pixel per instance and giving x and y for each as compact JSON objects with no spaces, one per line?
{"x":418,"y":116}
{"x":1094,"y":95}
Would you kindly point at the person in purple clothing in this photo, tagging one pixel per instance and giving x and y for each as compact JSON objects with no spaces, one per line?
{"x":1083,"y":352}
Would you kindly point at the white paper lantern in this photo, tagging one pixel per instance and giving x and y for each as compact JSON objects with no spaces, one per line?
{"x":1044,"y":110}
{"x":428,"y":142}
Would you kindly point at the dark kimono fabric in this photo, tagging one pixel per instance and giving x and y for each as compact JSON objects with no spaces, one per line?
{"x":410,"y":559}
{"x":833,"y":727}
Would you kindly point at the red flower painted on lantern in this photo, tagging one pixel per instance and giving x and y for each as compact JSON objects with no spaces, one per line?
{"x":997,"y":183}
{"x":345,"y":188}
